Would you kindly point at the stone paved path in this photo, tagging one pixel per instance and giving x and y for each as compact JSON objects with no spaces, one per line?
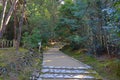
{"x":58,"y":66}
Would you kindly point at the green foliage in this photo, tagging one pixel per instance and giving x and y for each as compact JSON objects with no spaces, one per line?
{"x":41,"y":22}
{"x":92,"y":21}
{"x":77,"y":41}
{"x":31,"y":40}
{"x":42,"y":15}
{"x":65,"y":10}
{"x":71,"y":22}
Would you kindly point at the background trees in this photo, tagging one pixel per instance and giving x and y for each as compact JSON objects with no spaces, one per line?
{"x":10,"y":6}
{"x":87,"y":24}
{"x":90,"y":24}
{"x":42,"y":19}
{"x":39,"y":19}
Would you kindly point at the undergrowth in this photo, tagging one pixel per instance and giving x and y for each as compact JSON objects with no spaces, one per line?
{"x":18,"y":66}
{"x":108,"y":68}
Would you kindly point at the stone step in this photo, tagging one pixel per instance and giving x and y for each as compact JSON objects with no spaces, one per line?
{"x":65,"y":76}
{"x":68,"y":79}
{"x":69,"y":68}
{"x":68,"y":71}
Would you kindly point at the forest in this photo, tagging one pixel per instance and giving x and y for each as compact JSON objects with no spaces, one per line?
{"x":86,"y":28}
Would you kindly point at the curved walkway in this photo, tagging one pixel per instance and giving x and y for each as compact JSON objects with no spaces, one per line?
{"x":58,"y":66}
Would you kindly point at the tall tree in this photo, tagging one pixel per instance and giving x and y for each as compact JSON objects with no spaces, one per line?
{"x":5,"y":18}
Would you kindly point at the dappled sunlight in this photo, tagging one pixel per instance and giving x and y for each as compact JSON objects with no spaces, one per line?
{"x":54,"y":55}
{"x":62,"y":56}
{"x":82,"y":76}
{"x":48,"y":60}
{"x":53,"y":43}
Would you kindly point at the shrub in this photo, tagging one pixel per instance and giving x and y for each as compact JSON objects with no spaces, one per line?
{"x":77,"y":41}
{"x":31,"y":40}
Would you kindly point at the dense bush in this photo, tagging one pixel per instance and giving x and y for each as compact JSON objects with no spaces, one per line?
{"x":31,"y":40}
{"x":77,"y":42}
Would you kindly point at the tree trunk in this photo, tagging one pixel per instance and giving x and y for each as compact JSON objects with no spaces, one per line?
{"x":20,"y":26}
{"x":7,"y":18}
{"x":15,"y":25}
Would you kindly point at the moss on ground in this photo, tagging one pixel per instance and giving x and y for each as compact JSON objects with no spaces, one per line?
{"x":109,"y":69}
{"x":18,"y":65}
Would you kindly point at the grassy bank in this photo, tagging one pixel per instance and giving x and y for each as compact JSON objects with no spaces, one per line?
{"x":108,"y":68}
{"x":18,"y":65}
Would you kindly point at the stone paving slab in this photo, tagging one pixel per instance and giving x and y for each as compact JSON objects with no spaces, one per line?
{"x":63,"y":67}
{"x":66,"y":76}
{"x":67,"y":71}
{"x":58,"y":66}
{"x":69,"y":79}
{"x":54,"y":57}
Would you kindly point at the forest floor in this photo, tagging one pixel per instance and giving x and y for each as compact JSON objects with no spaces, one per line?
{"x":18,"y":65}
{"x":108,"y":68}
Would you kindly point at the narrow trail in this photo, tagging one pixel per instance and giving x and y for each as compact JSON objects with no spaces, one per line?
{"x":58,"y":66}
